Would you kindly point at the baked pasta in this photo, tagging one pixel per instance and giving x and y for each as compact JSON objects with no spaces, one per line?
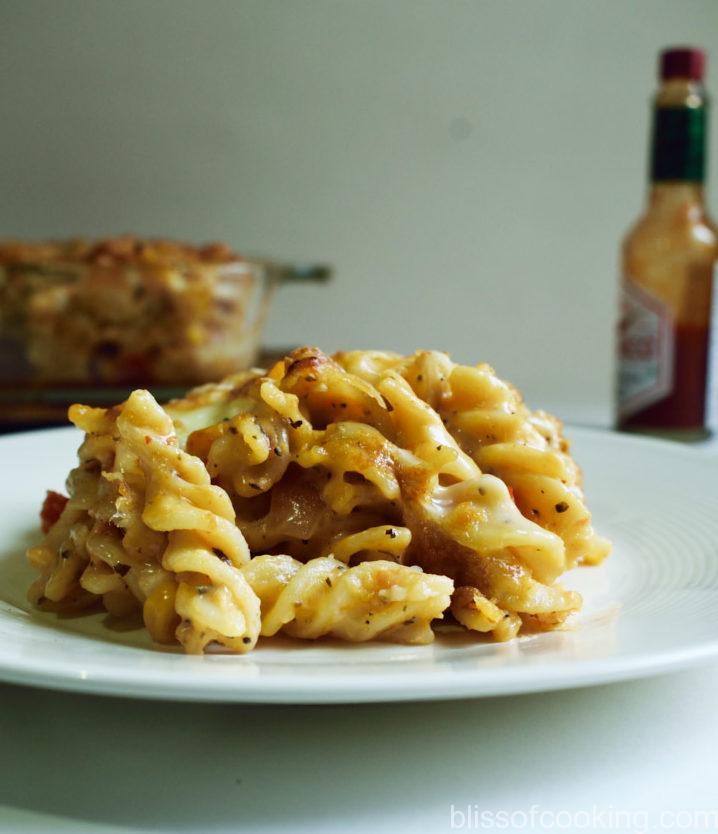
{"x":362,"y":497}
{"x":123,"y":311}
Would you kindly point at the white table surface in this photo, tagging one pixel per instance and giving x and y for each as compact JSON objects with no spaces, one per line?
{"x":82,"y":763}
{"x":73,"y":763}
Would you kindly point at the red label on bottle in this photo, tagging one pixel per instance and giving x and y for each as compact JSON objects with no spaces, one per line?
{"x":646,"y":351}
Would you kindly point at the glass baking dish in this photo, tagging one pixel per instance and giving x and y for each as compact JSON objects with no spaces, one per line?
{"x":90,"y":321}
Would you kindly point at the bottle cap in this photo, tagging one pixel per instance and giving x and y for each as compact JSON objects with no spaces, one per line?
{"x":682,"y":62}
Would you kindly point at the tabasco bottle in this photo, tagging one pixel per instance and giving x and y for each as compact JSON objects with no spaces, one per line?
{"x":667,"y":269}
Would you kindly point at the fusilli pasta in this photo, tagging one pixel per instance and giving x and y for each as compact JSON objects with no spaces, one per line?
{"x":310,"y":498}
{"x":373,"y":600}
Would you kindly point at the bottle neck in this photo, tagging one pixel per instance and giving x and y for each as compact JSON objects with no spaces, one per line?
{"x":678,"y":141}
{"x":676,"y":195}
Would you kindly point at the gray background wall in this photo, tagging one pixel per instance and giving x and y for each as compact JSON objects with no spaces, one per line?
{"x":468,"y":167}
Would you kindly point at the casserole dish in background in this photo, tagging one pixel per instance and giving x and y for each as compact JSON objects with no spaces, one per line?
{"x":88,"y":321}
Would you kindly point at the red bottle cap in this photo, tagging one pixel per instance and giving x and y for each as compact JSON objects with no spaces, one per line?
{"x":682,"y":62}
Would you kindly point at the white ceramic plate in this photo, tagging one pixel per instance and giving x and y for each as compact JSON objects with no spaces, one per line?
{"x":652,"y":607}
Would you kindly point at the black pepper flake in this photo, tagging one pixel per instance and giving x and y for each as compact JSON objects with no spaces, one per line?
{"x":277,"y":451}
{"x":410,"y":621}
{"x":254,"y":486}
{"x":225,"y":419}
{"x":439,"y":447}
{"x":367,"y":622}
{"x":202,"y":589}
{"x":220,"y":554}
{"x":295,"y":424}
{"x":343,"y":405}
{"x":328,"y":581}
{"x":233,"y":430}
{"x":419,"y":377}
{"x":64,"y":553}
{"x":246,"y":640}
{"x":561,"y":507}
{"x":391,"y":532}
{"x":389,"y":406}
{"x":120,"y":568}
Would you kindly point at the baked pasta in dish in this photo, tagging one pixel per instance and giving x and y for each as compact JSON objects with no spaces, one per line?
{"x":361,"y":496}
{"x":123,"y":311}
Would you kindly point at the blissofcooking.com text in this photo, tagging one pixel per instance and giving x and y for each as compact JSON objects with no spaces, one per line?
{"x":595,"y":818}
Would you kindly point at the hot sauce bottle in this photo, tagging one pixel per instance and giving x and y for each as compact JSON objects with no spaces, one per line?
{"x":664,"y":340}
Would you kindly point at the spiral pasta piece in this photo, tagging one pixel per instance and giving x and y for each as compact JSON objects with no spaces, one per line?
{"x":528,"y":451}
{"x":212,"y":601}
{"x":373,"y":600}
{"x":373,"y":543}
{"x":67,"y":558}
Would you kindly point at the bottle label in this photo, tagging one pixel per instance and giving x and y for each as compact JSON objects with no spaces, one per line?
{"x":646,"y":349}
